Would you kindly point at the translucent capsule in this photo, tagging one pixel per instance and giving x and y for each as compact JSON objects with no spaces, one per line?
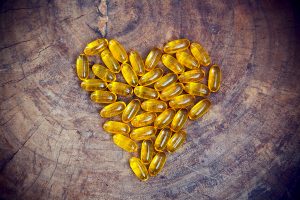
{"x":171,"y":91}
{"x":103,"y":73}
{"x":129,"y":75}
{"x":157,"y":163}
{"x":120,"y":88}
{"x":151,"y":77}
{"x":153,"y":59}
{"x":182,"y":101}
{"x":111,"y":63}
{"x":147,"y":151}
{"x":143,"y":133}
{"x":179,"y":120}
{"x":214,"y":78}
{"x":138,"y":168}
{"x":113,"y":109}
{"x":171,"y":63}
{"x":199,"y":109}
{"x":187,"y":60}
{"x":115,"y":127}
{"x":131,"y":110}
{"x":95,"y":47}
{"x":92,"y":85}
{"x":125,"y":143}
{"x":145,"y":92}
{"x":82,"y":67}
{"x":165,"y":81}
{"x":200,"y":54}
{"x":137,"y":63}
{"x":176,"y":141}
{"x":176,"y":45}
{"x":197,"y":89}
{"x":118,"y":51}
{"x":195,"y":75}
{"x":100,"y":96}
{"x":165,"y":118}
{"x":162,"y":139}
{"x":143,"y":119}
{"x":153,"y":105}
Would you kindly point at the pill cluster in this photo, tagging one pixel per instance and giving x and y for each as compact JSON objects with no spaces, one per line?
{"x":162,"y":101}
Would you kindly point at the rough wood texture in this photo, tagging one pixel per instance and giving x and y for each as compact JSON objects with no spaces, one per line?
{"x":52,"y":145}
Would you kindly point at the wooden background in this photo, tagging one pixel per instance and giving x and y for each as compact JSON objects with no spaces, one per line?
{"x":52,"y":145}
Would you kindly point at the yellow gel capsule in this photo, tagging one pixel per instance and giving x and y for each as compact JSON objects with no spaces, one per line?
{"x":179,"y":120}
{"x":197,"y":89}
{"x":182,"y":101}
{"x":147,"y":151}
{"x":214,"y":78}
{"x":153,"y":105}
{"x":200,"y":54}
{"x":92,"y":85}
{"x":176,"y":45}
{"x":99,"y":96}
{"x":157,"y":163}
{"x":115,"y":127}
{"x":120,"y":88}
{"x":129,"y":75}
{"x":103,"y":73}
{"x":131,"y":110}
{"x":143,"y":133}
{"x":171,"y":91}
{"x":145,"y":92}
{"x":118,"y":51}
{"x":162,"y":139}
{"x":176,"y":141}
{"x":165,"y":118}
{"x":82,"y":67}
{"x":195,"y":75}
{"x":187,"y":60}
{"x":125,"y":143}
{"x":111,"y":63}
{"x":143,"y":119}
{"x":153,"y":59}
{"x":199,"y":109}
{"x":95,"y":47}
{"x":113,"y":109}
{"x":171,"y":63}
{"x":151,"y":77}
{"x":165,"y":81}
{"x":137,"y":63}
{"x":138,"y":168}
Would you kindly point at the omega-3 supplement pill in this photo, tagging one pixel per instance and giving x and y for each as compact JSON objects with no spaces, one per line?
{"x":165,"y":81}
{"x":182,"y":101}
{"x":147,"y":151}
{"x":110,"y":62}
{"x":165,"y":118}
{"x":125,"y":143}
{"x":195,"y":75}
{"x":115,"y":127}
{"x":197,"y":89}
{"x":113,"y":109}
{"x":82,"y":67}
{"x":171,"y":91}
{"x":176,"y":141}
{"x":100,"y":96}
{"x":153,"y":59}
{"x":151,"y":77}
{"x":118,"y":51}
{"x":93,"y":84}
{"x":172,"y":64}
{"x":200,"y":54}
{"x":153,"y":105}
{"x":143,"y":133}
{"x":176,"y":46}
{"x":131,"y":110}
{"x":129,"y":75}
{"x":214,"y":78}
{"x":179,"y":120}
{"x":137,"y":63}
{"x":162,"y":139}
{"x":138,"y":168}
{"x":145,"y":92}
{"x":120,"y":88}
{"x":187,"y":60}
{"x":95,"y":47}
{"x":199,"y":109}
{"x":143,"y":119}
{"x":103,"y":73}
{"x":157,"y":163}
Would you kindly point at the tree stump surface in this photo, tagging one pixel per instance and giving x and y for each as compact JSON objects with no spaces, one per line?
{"x":52,"y":145}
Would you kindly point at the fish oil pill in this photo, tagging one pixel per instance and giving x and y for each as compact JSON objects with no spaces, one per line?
{"x":165,"y":81}
{"x":131,"y":110}
{"x":113,"y":109}
{"x":176,"y":141}
{"x":99,"y":96}
{"x":172,"y":64}
{"x":153,"y":105}
{"x":200,"y":54}
{"x":145,"y":92}
{"x":153,"y":59}
{"x":147,"y":151}
{"x":195,"y":75}
{"x":179,"y":120}
{"x":120,"y":88}
{"x":176,"y":45}
{"x":103,"y":73}
{"x":92,"y":85}
{"x":137,"y":63}
{"x":151,"y":77}
{"x":214,"y":78}
{"x":118,"y":51}
{"x":182,"y":101}
{"x":138,"y":168}
{"x":171,"y":91}
{"x":143,"y":133}
{"x":165,"y":118}
{"x":143,"y":119}
{"x":162,"y":139}
{"x":157,"y":163}
{"x":187,"y":60}
{"x":197,"y":89}
{"x":129,"y":75}
{"x":125,"y":143}
{"x":82,"y":67}
{"x":199,"y":109}
{"x":110,"y":62}
{"x":95,"y":47}
{"x":115,"y":127}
